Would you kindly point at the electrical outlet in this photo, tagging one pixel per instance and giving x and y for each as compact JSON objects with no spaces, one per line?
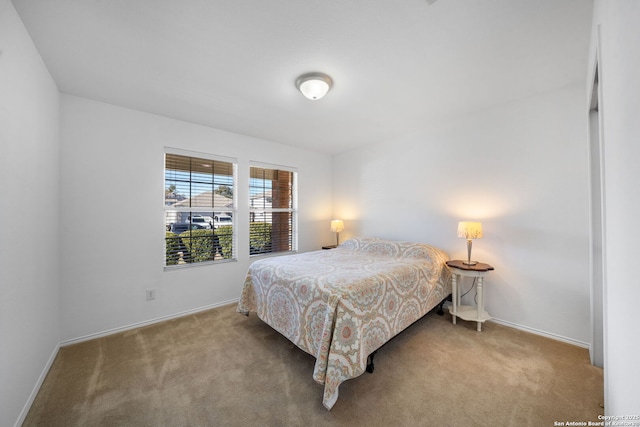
{"x":151,"y":294}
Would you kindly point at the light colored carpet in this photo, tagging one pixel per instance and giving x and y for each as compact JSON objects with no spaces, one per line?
{"x":219,"y":368}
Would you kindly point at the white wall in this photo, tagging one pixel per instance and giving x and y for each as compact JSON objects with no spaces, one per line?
{"x":620,"y":109}
{"x":29,"y":282}
{"x":112,"y":221}
{"x":521,"y":169}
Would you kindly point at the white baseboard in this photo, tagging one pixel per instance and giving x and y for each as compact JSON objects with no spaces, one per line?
{"x":145,"y":323}
{"x":542,"y":333}
{"x":36,"y":388}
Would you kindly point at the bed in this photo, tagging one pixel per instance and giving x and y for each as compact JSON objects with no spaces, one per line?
{"x":341,"y":305}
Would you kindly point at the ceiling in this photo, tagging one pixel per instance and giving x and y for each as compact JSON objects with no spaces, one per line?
{"x":397,"y":66}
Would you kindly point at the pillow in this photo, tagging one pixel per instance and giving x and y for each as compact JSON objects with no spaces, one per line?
{"x":390,"y":248}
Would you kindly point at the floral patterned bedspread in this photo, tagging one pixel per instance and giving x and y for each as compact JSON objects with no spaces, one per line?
{"x":340,"y":305}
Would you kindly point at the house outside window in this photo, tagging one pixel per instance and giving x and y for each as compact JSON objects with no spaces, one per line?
{"x":199,"y":207}
{"x":272,"y":209}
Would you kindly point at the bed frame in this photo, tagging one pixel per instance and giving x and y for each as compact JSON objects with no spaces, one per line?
{"x":440,"y":312}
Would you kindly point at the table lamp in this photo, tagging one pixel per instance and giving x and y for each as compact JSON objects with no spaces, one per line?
{"x":469,"y":230}
{"x":337,"y":226}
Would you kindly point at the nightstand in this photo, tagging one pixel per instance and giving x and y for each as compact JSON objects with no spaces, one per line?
{"x":330,"y":247}
{"x":467,"y":312}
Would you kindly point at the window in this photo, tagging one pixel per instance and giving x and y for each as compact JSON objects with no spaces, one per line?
{"x":199,"y":208}
{"x":272,"y":210}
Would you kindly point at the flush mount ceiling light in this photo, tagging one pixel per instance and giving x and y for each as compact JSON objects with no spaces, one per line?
{"x":314,"y":85}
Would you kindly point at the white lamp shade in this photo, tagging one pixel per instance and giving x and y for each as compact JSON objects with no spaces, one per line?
{"x":314,"y":85}
{"x":469,"y":230}
{"x":337,"y":225}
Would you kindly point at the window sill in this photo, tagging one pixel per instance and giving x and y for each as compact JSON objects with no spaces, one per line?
{"x":198,"y":264}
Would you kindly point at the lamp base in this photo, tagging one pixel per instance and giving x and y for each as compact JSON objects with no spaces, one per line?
{"x":469,"y":262}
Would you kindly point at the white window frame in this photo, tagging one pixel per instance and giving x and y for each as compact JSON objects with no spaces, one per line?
{"x":185,"y":209}
{"x":253,"y":210}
